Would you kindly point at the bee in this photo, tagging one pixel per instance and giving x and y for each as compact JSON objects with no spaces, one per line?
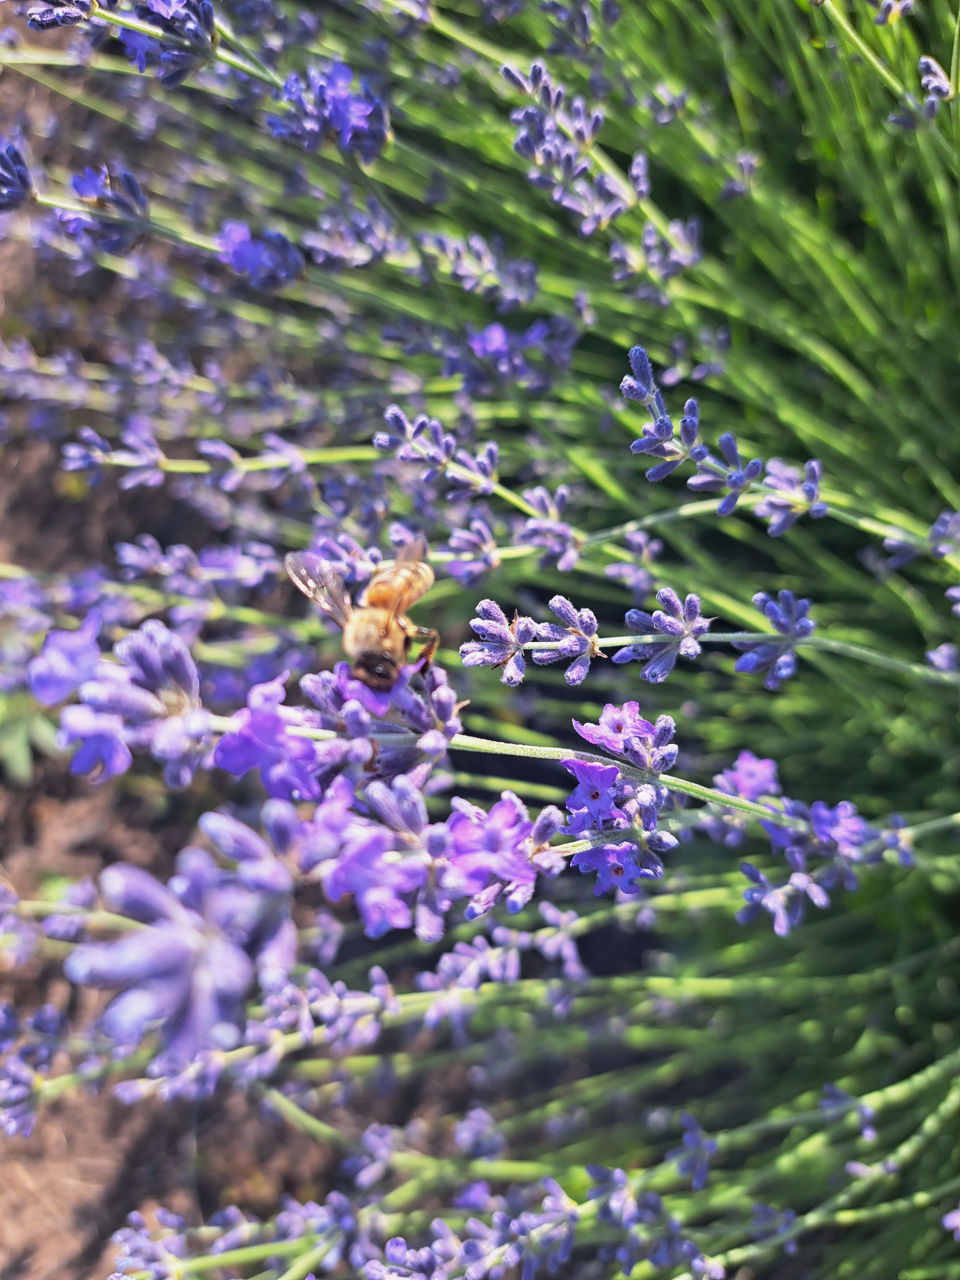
{"x":377,"y":634}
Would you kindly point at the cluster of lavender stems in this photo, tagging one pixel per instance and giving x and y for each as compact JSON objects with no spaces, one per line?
{"x":651,"y":857}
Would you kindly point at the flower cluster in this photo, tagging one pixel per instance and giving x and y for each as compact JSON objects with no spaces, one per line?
{"x":326,"y":105}
{"x":681,"y":624}
{"x":556,"y":140}
{"x":147,"y":699}
{"x":502,"y":643}
{"x":778,"y":657}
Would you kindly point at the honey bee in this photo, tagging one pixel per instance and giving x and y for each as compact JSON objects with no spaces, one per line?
{"x":376,"y":632}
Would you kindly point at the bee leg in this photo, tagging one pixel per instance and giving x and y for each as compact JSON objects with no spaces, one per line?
{"x":431,"y":639}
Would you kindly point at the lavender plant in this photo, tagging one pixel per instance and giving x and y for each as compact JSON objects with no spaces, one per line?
{"x":618,"y":938}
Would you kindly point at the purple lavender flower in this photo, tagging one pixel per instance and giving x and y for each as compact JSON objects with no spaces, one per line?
{"x":16,"y":186}
{"x":184,"y":975}
{"x":89,"y":455}
{"x":327,"y":106}
{"x":260,"y":739}
{"x":732,"y":479}
{"x":496,"y":854}
{"x":186,"y":39}
{"x":768,"y":1221}
{"x":474,"y":552}
{"x":936,"y":85}
{"x":154,"y":689}
{"x":786,"y":903}
{"x":556,"y":141}
{"x":791,"y":497}
{"x":777,"y":658}
{"x":951,"y":1222}
{"x":501,"y":643}
{"x":66,"y":660}
{"x":575,"y":643}
{"x":102,"y":752}
{"x":944,"y":535}
{"x":18,"y":1097}
{"x":596,"y":794}
{"x":624,"y":732}
{"x":657,"y":438}
{"x":889,"y":11}
{"x":116,"y":194}
{"x":270,"y":261}
{"x":59,"y":13}
{"x":751,"y":779}
{"x":943,"y":658}
{"x":637,"y":575}
{"x":681,"y":622}
{"x":142,"y":456}
{"x":616,"y":867}
{"x":549,"y":530}
{"x":693,"y":1157}
{"x":479,"y":268}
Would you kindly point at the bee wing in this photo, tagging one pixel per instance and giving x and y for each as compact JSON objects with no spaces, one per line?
{"x":323,"y":585}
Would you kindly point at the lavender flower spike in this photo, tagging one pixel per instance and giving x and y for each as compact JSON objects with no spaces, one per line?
{"x":681,"y":624}
{"x":16,"y":187}
{"x":501,"y":642}
{"x":777,"y":658}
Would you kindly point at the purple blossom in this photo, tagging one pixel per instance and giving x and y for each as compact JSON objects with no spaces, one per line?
{"x":837,"y":1102}
{"x":777,"y":658}
{"x":270,"y":261}
{"x":478,"y":267}
{"x":943,"y":658}
{"x":561,"y":543}
{"x":785,"y":903}
{"x":19,"y":1091}
{"x":596,"y":794}
{"x":624,"y":732}
{"x":67,"y":659}
{"x":657,"y":439}
{"x":496,"y":854}
{"x":185,"y":40}
{"x":501,"y":643}
{"x":637,"y":575}
{"x":944,"y":535}
{"x":328,"y":106}
{"x":951,"y":1222}
{"x":116,"y":194}
{"x":154,"y":690}
{"x":680,"y":622}
{"x":556,"y":141}
{"x":768,"y":1221}
{"x":616,"y":867}
{"x":89,"y":455}
{"x":58,"y":13}
{"x":142,"y":458}
{"x":791,"y":496}
{"x":101,"y":749}
{"x":383,"y":734}
{"x":185,"y":975}
{"x":575,"y":643}
{"x":16,"y":186}
{"x":693,"y":1157}
{"x":936,"y":85}
{"x":750,"y":778}
{"x":261,"y":739}
{"x":474,"y":553}
{"x":731,"y":477}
